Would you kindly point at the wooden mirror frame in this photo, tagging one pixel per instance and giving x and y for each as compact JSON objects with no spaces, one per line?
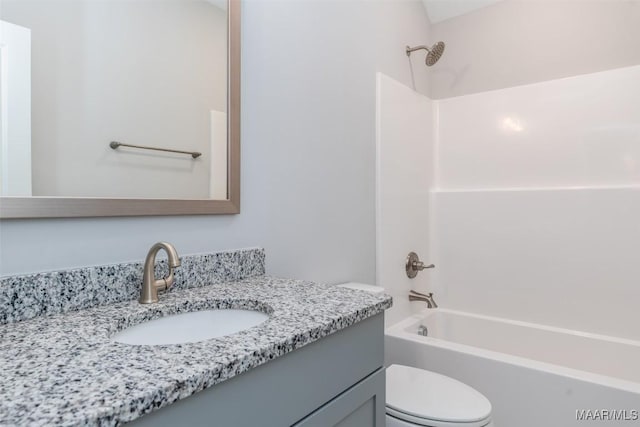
{"x":67,"y":207}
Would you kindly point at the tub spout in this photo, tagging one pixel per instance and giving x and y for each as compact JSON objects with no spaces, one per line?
{"x":428,"y":298}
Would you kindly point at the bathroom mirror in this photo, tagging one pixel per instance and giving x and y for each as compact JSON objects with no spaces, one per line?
{"x":119,"y":108}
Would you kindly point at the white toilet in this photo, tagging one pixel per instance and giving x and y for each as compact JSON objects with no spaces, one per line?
{"x":416,"y":397}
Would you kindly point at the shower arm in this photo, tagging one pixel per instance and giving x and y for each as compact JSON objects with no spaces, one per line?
{"x":413,"y":49}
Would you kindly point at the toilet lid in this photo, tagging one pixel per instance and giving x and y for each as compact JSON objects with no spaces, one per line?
{"x":426,"y":395}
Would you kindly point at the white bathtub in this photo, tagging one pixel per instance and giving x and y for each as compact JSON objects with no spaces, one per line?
{"x":533,"y":375}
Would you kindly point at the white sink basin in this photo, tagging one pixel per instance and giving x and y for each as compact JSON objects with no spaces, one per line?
{"x":190,"y":327}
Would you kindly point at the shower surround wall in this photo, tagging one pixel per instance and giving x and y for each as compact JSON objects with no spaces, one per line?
{"x":537,"y":202}
{"x":528,"y":201}
{"x":404,"y":176}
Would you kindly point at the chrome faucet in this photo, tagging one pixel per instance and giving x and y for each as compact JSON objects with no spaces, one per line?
{"x":151,"y":285}
{"x":428,"y":298}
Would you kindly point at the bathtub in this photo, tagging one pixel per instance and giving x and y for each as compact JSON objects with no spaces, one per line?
{"x":533,"y":375}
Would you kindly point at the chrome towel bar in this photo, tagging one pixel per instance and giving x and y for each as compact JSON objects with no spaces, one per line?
{"x":116,"y":144}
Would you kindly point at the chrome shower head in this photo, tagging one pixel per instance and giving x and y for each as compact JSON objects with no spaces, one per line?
{"x":433,"y":54}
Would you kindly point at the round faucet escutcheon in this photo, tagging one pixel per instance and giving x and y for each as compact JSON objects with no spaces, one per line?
{"x":413,"y":265}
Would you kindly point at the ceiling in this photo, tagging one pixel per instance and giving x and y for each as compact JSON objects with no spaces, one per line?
{"x":440,"y":10}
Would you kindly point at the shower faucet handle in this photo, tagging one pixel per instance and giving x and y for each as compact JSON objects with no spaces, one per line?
{"x":414,"y":265}
{"x":419,"y":265}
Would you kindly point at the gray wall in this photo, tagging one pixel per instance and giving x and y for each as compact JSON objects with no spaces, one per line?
{"x":308,"y":150}
{"x":516,"y":42}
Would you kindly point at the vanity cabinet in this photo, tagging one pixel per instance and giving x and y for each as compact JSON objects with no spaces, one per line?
{"x":335,"y":381}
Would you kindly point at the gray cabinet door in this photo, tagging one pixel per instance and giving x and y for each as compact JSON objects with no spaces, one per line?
{"x":360,"y":406}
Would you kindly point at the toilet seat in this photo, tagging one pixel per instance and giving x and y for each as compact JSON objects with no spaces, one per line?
{"x":428,"y":399}
{"x":423,"y":422}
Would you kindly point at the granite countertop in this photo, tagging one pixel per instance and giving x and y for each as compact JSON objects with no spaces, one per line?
{"x":64,"y":369}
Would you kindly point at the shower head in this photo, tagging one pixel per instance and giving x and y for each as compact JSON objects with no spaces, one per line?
{"x":433,"y":54}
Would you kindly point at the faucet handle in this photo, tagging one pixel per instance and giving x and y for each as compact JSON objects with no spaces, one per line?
{"x":413,"y":265}
{"x":419,"y":265}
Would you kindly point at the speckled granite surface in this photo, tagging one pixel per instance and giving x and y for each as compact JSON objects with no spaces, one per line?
{"x":64,"y":370}
{"x":28,"y":296}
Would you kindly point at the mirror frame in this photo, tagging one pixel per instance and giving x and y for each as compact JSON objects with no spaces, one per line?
{"x":68,"y":207}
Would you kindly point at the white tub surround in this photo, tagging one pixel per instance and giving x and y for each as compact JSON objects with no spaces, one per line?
{"x":537,"y":200}
{"x":532,"y":208}
{"x":561,"y":257}
{"x":405,"y":165}
{"x":578,"y":131}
